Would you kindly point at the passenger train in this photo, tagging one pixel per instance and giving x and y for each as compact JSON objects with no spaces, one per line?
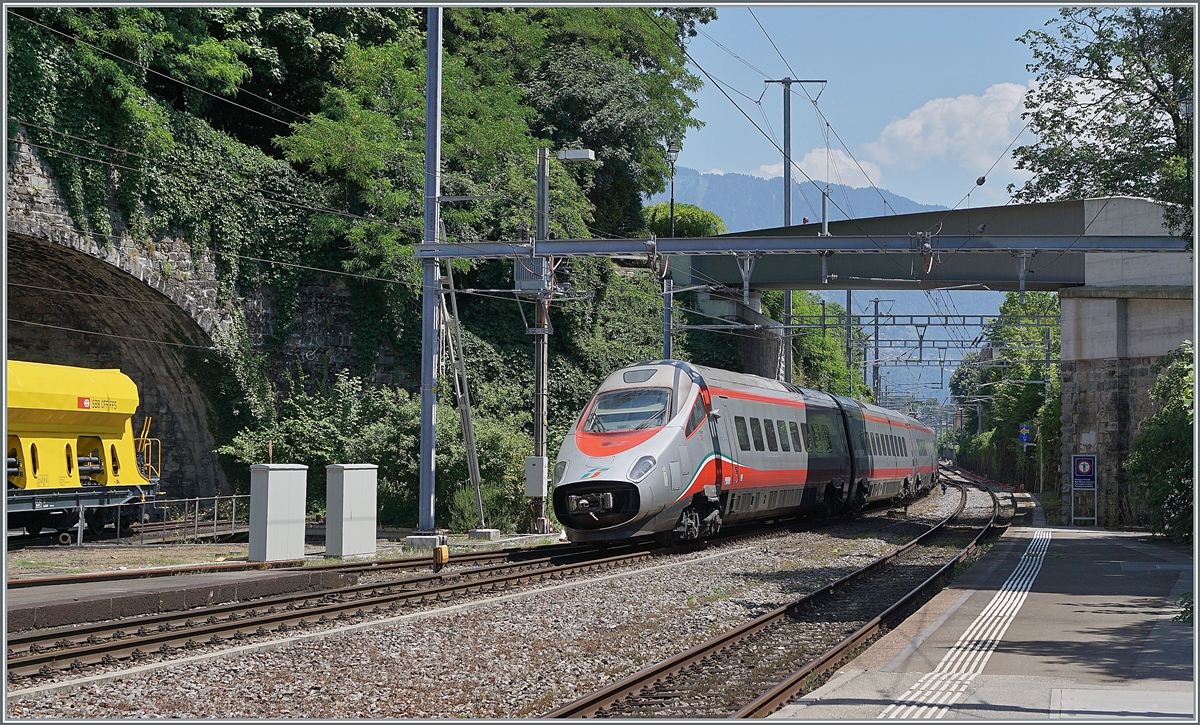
{"x":675,"y":450}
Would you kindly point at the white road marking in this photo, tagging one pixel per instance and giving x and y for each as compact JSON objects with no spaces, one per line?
{"x":934,"y":693}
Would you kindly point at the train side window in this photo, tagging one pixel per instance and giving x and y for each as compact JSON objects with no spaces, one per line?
{"x":33,"y":457}
{"x":874,"y":443}
{"x":892,"y":445}
{"x":70,"y":460}
{"x":795,"y":436}
{"x":116,"y":463}
{"x":769,"y":428}
{"x":896,"y":446}
{"x":904,"y":445}
{"x":807,"y":437}
{"x":756,"y":432}
{"x":696,"y":418}
{"x":783,"y":441}
{"x":739,"y":423}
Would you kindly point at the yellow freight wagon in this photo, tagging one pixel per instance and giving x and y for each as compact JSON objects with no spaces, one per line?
{"x":71,"y":445}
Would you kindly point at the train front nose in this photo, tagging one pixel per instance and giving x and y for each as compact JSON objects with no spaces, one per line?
{"x":594,"y":505}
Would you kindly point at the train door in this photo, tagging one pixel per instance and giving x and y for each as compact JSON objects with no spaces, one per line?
{"x":910,"y":442}
{"x":858,"y":455}
{"x":724,"y":431}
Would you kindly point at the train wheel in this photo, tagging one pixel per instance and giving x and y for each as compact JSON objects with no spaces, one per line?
{"x":64,"y":537}
{"x":831,"y":502}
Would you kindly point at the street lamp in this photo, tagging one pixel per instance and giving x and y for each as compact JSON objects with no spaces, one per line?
{"x":673,"y":148}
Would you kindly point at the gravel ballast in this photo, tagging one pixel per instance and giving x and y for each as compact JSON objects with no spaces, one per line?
{"x":517,"y":658}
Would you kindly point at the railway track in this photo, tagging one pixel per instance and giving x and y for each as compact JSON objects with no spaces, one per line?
{"x":753,"y":669}
{"x":42,"y":653}
{"x":49,"y":652}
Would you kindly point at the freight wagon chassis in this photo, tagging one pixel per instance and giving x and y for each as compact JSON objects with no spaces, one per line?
{"x":59,"y":509}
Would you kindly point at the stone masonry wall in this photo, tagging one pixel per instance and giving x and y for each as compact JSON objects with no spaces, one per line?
{"x":107,"y":302}
{"x":1103,"y":403}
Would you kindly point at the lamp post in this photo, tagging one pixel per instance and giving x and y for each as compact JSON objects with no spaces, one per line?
{"x":673,"y":148}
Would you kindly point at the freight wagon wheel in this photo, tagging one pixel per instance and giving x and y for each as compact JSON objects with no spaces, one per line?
{"x":64,"y":537}
{"x":95,"y":526}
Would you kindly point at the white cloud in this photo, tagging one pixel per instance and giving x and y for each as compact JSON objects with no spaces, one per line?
{"x":716,"y":171}
{"x":836,"y":167}
{"x":769,"y":171}
{"x":969,"y":130}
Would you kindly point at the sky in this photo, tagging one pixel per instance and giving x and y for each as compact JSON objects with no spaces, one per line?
{"x":925,"y":98}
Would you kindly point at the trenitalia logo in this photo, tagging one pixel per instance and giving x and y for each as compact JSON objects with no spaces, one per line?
{"x":96,"y":404}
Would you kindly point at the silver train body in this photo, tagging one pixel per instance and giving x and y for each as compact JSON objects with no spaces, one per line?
{"x":676,"y":450}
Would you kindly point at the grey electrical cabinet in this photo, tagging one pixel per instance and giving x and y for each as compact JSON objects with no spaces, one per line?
{"x":350,"y":506}
{"x":535,"y":477}
{"x":277,"y":504}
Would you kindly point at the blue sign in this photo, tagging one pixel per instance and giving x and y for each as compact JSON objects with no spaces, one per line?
{"x":1083,"y":473}
{"x":1026,"y":434}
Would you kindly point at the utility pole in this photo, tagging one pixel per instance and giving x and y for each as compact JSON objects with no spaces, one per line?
{"x":849,"y":344}
{"x":429,"y":285}
{"x":786,"y":82}
{"x":668,"y":305}
{"x":541,"y":357}
{"x":875,"y":362}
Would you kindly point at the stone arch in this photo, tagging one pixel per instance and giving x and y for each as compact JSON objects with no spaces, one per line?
{"x":152,"y":312}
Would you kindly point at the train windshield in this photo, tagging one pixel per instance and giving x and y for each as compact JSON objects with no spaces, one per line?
{"x":631,"y":409}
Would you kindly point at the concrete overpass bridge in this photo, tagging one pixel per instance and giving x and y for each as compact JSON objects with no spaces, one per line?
{"x":1125,"y":287}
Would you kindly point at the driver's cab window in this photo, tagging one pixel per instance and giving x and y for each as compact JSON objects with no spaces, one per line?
{"x":699,"y":413}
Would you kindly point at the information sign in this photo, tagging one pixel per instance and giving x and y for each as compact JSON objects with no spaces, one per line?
{"x":1026,"y":433}
{"x":1083,"y":473}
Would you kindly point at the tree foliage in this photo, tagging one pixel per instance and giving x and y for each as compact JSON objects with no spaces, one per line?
{"x":1105,"y":108}
{"x":690,"y":221}
{"x":1161,"y":457}
{"x":1013,"y":387}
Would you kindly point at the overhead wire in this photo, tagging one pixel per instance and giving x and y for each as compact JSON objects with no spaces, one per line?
{"x":148,"y":69}
{"x":309,"y":207}
{"x":107,"y":334}
{"x":281,"y":263}
{"x":885,"y":252}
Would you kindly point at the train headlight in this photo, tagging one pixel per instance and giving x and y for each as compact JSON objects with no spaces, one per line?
{"x":644,"y":465}
{"x":560,"y":470}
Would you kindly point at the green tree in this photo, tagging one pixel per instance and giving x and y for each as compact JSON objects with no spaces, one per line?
{"x":690,"y":221}
{"x":1105,"y":108}
{"x":1160,"y":462}
{"x":1013,"y":387}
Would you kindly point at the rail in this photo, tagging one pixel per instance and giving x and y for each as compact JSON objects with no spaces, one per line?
{"x":591,"y":704}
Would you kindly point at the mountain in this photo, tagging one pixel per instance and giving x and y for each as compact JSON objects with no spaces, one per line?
{"x":748,"y":202}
